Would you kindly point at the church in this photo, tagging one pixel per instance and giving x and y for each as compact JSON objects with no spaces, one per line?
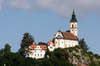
{"x":68,"y":38}
{"x":61,"y":40}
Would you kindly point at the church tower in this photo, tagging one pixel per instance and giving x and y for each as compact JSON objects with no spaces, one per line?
{"x":73,"y":24}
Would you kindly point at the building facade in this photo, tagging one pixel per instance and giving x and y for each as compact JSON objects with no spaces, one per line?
{"x":67,"y":39}
{"x":60,"y":40}
{"x":37,"y":51}
{"x":51,"y":45}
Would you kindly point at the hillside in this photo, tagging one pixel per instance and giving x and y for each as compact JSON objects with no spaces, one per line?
{"x":76,"y":55}
{"x":59,"y":57}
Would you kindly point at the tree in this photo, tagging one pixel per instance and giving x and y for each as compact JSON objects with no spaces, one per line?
{"x":26,"y":42}
{"x":67,"y":30}
{"x":7,"y":48}
{"x":42,"y":43}
{"x":83,"y":45}
{"x":1,"y":51}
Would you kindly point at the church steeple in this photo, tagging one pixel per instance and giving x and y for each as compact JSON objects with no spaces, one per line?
{"x":73,"y":19}
{"x":73,"y":24}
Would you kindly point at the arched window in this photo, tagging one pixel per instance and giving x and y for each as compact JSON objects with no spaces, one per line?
{"x":72,"y":30}
{"x":41,"y":54}
{"x":35,"y":54}
{"x":72,"y":25}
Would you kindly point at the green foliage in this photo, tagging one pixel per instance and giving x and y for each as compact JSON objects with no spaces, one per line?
{"x":97,"y":56}
{"x":26,"y":42}
{"x":1,"y":51}
{"x":42,"y":43}
{"x":83,"y":45}
{"x":7,"y":48}
{"x":67,"y":30}
{"x":93,"y":63}
{"x":59,"y":57}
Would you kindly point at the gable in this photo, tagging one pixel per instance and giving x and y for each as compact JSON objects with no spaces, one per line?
{"x":65,"y":35}
{"x":59,"y":35}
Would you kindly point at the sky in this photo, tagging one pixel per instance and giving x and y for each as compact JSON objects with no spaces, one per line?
{"x":43,"y":18}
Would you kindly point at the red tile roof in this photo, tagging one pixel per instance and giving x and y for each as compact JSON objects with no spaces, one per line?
{"x":70,"y":36}
{"x":44,"y":47}
{"x":51,"y":41}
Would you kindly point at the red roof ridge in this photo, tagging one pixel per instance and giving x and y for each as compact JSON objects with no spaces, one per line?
{"x":32,"y":47}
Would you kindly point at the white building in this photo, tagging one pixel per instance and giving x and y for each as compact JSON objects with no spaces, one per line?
{"x":61,"y":40}
{"x":37,"y":51}
{"x":67,"y":39}
{"x":51,"y":45}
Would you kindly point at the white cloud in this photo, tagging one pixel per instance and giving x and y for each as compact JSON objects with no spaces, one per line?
{"x":62,"y":7}
{"x":21,"y":4}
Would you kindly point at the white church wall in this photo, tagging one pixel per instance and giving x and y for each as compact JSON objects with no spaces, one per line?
{"x":65,"y":43}
{"x":56,"y":43}
{"x":70,"y":43}
{"x":62,"y":44}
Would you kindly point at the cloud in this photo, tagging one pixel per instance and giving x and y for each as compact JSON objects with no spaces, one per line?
{"x":20,"y":4}
{"x":62,"y":7}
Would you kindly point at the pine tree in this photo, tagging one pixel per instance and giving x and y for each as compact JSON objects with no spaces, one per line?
{"x":7,"y":48}
{"x":83,"y":45}
{"x":27,"y":40}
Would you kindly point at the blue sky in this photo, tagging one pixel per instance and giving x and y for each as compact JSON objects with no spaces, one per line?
{"x":43,"y":22}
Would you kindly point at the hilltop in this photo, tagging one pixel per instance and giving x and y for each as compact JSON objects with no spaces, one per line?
{"x":66,"y":57}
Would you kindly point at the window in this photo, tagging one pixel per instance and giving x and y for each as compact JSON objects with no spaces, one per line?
{"x":75,"y":25}
{"x":51,"y":47}
{"x":35,"y":54}
{"x":41,"y":50}
{"x":41,"y":54}
{"x":38,"y":47}
{"x":62,"y":42}
{"x":69,"y":45}
{"x":55,"y":42}
{"x":72,"y":25}
{"x":72,"y":30}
